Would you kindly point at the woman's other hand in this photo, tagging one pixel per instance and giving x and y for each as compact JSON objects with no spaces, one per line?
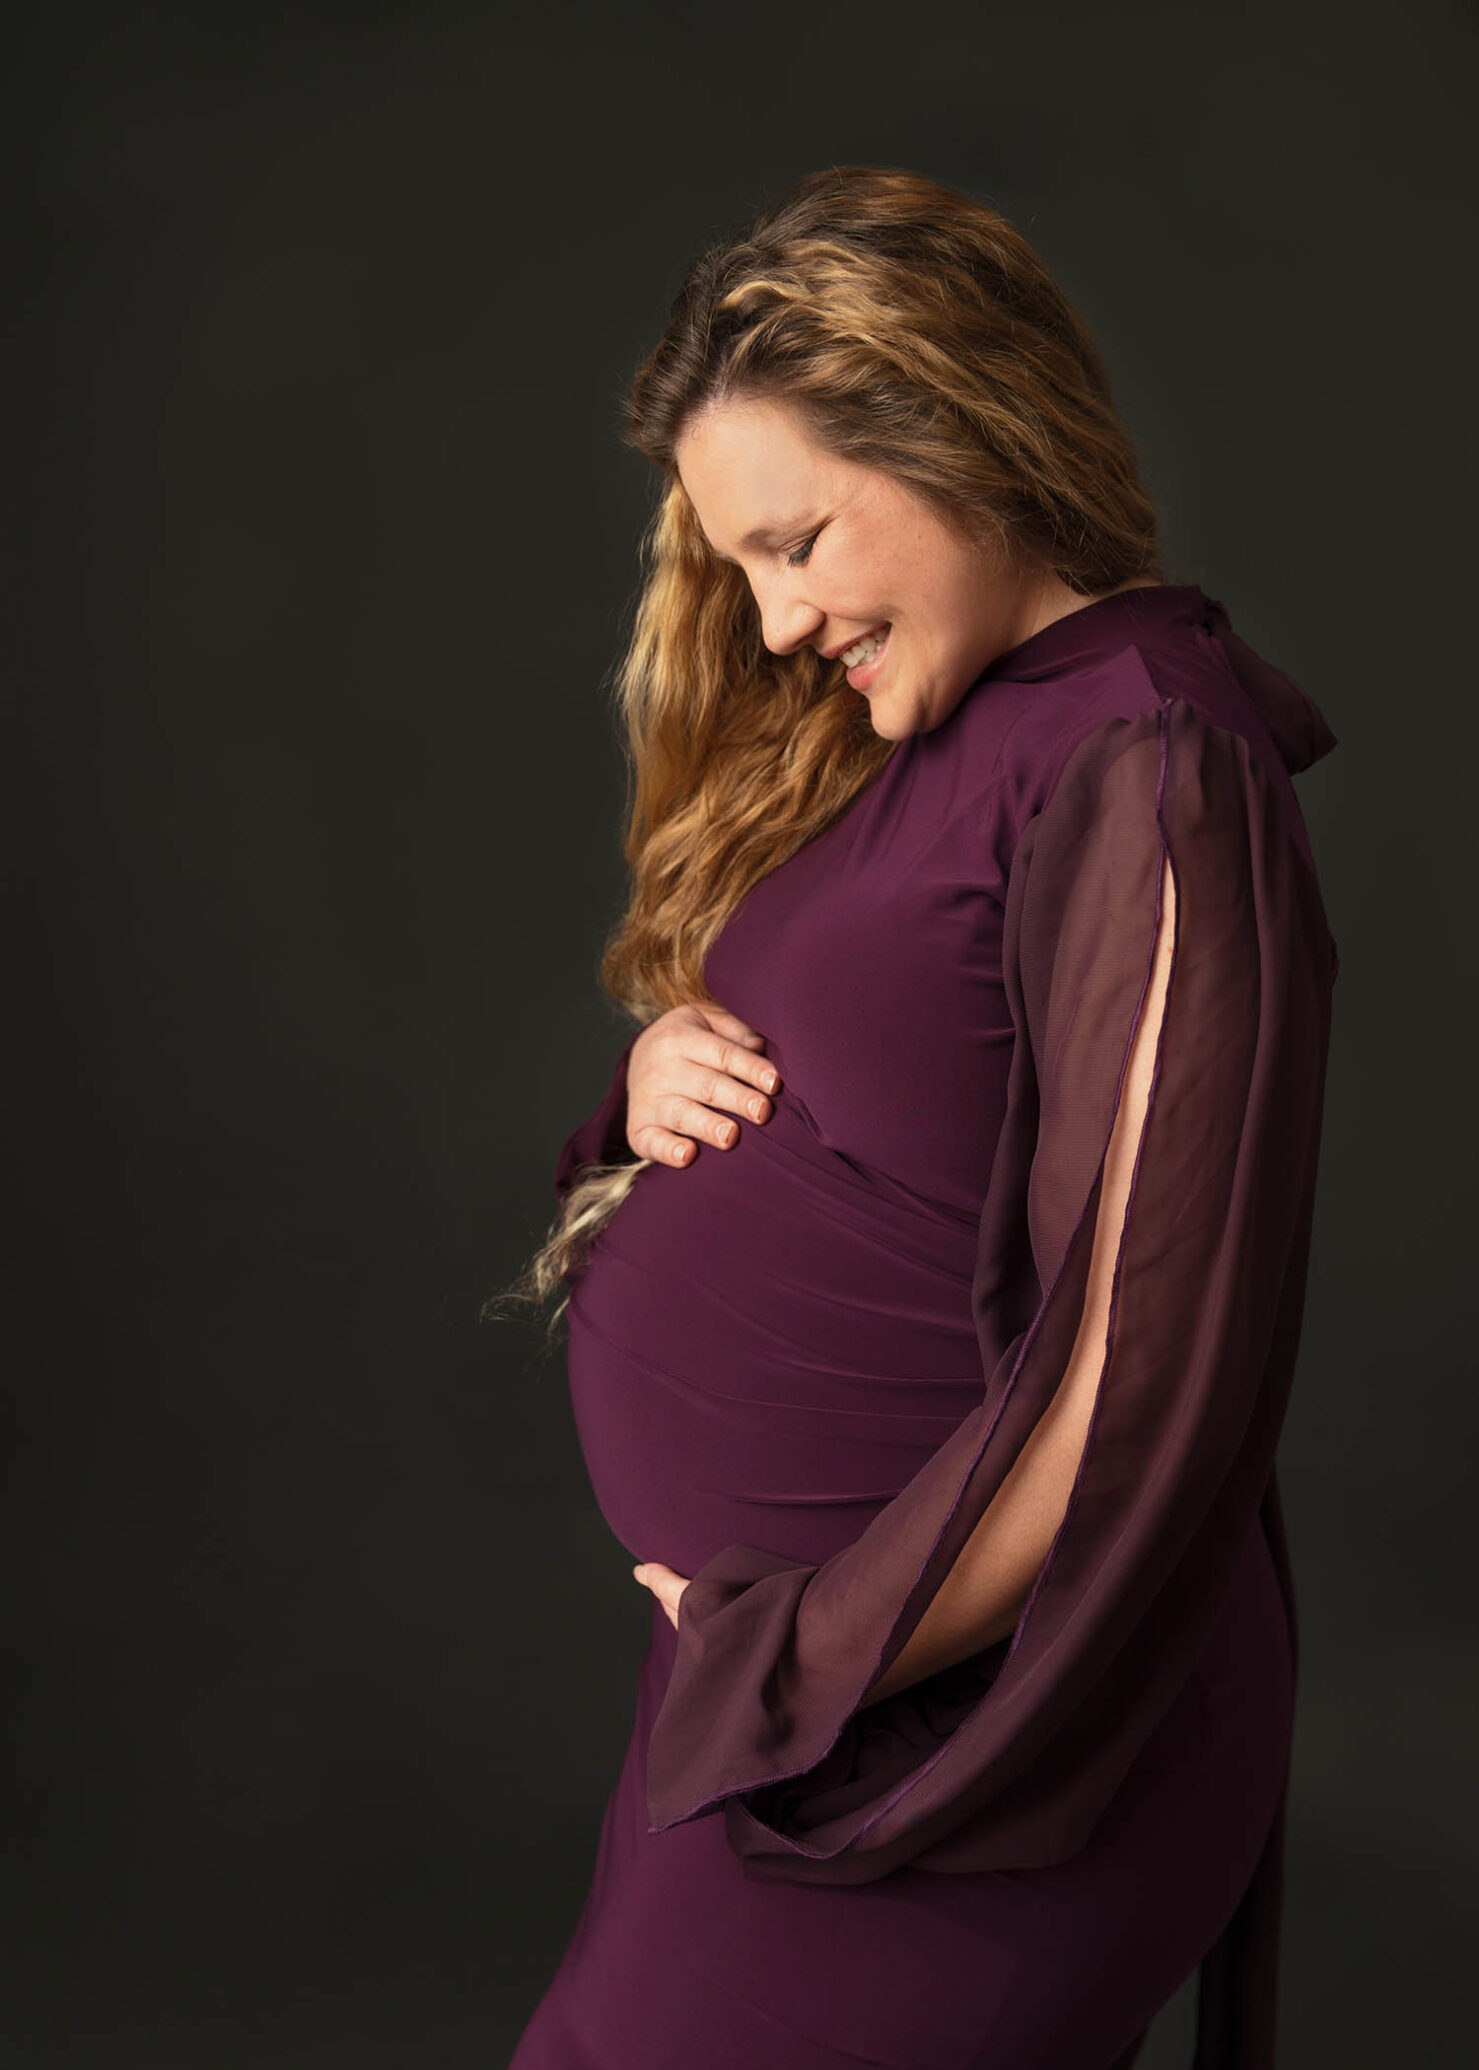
{"x":667,"y":1586}
{"x":686,"y":1070}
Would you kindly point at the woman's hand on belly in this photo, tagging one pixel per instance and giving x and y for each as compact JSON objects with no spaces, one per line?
{"x":687,"y":1069}
{"x":667,"y":1586}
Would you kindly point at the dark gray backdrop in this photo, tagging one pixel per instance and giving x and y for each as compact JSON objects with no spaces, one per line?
{"x":318,"y":319}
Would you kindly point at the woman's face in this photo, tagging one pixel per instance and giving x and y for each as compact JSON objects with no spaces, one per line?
{"x":834,"y":551}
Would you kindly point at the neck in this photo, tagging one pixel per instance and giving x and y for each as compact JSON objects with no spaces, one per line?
{"x":1051,"y":599}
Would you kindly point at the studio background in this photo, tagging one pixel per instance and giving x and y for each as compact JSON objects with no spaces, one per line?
{"x":321,"y":553}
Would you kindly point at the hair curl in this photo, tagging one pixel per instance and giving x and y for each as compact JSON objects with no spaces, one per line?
{"x":913,"y":330}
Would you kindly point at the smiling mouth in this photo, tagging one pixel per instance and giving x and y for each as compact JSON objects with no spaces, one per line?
{"x":865,"y":649}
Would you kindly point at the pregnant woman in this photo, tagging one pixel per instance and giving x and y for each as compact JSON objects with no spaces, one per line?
{"x":935,"y":1262}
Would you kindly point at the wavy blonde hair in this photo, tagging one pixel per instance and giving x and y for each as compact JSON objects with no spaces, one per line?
{"x":913,"y":330}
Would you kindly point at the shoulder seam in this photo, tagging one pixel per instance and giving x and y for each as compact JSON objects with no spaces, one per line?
{"x":1057,"y":756}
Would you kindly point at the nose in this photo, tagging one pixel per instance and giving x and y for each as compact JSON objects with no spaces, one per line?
{"x":786,"y":620}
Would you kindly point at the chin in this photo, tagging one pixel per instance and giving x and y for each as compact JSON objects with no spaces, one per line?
{"x":887,"y":727}
{"x":896,"y":719}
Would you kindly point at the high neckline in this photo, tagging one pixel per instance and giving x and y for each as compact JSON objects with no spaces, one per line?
{"x":1103,"y":628}
{"x":1097,"y":632}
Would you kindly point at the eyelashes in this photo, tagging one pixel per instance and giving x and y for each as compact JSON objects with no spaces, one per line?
{"x":802,"y":554}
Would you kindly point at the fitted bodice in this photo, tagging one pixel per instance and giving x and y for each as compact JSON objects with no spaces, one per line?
{"x":767,"y":1344}
{"x":830,"y":1250}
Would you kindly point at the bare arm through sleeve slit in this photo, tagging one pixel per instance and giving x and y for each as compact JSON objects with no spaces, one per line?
{"x":982,"y":1596}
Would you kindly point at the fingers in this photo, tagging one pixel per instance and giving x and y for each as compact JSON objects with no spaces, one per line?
{"x":662,"y":1145}
{"x":740,"y":1069}
{"x":735,"y":1052}
{"x":703,"y":1115}
{"x":703,"y":1068}
{"x":667,"y":1586}
{"x":687,"y":1123}
{"x":741,"y":1066}
{"x":724,"y":1022}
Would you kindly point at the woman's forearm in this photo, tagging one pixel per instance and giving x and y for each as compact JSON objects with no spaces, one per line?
{"x":982,"y":1596}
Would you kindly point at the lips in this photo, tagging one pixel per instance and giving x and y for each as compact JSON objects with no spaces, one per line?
{"x":862,"y":675}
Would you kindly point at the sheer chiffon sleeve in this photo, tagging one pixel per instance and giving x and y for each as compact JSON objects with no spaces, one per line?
{"x":602,"y":1137}
{"x":1007,"y":1759}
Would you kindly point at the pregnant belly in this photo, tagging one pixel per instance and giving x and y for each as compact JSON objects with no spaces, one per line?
{"x":766,"y":1346}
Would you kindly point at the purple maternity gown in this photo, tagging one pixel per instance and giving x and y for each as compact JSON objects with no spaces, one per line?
{"x":802,"y":1367}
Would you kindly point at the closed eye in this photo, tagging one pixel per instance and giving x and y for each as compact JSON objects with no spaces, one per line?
{"x":802,"y":554}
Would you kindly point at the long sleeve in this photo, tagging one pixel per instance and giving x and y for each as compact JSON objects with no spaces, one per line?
{"x":602,"y":1137}
{"x":1007,"y":1759}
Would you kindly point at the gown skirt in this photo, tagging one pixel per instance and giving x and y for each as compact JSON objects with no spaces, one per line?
{"x":682,"y":1961}
{"x":788,"y":1423}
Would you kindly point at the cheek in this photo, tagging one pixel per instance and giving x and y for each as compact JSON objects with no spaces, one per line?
{"x":936,"y":599}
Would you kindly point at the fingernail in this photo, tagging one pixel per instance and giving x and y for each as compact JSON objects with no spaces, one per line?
{"x":770,"y":1081}
{"x":728,"y":1133}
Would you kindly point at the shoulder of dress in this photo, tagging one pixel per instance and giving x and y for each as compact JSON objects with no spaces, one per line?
{"x":985,"y":776}
{"x":1139,"y":687}
{"x":1064,"y":713}
{"x":995,"y":769}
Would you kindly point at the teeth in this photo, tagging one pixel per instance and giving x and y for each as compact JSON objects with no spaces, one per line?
{"x":862,"y":650}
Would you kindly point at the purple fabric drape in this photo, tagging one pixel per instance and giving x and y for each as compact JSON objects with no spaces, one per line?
{"x":1007,"y":1759}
